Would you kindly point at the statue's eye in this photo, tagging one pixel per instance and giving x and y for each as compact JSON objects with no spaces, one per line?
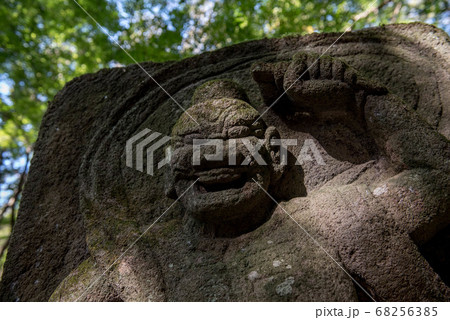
{"x":239,"y":132}
{"x":259,"y":133}
{"x":177,"y":142}
{"x":258,"y":129}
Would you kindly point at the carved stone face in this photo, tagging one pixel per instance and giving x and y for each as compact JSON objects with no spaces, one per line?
{"x":224,"y":191}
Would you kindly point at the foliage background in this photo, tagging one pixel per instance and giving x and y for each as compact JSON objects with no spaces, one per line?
{"x":45,"y":43}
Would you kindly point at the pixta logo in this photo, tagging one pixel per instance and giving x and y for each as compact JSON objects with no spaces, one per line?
{"x":308,"y":151}
{"x":144,"y":144}
{"x":148,"y":142}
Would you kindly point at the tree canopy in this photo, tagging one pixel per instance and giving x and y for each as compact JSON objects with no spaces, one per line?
{"x":45,"y":43}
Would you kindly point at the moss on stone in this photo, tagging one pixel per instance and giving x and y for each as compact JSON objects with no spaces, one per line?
{"x":219,"y":88}
{"x":208,"y":112}
{"x":74,"y":284}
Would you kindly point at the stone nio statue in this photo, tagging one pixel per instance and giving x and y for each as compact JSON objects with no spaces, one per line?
{"x":356,"y":209}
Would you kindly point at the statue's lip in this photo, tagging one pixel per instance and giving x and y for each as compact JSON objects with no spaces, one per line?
{"x":220,"y":175}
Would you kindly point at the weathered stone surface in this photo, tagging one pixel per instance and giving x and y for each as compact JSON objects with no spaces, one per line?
{"x":381,"y":199}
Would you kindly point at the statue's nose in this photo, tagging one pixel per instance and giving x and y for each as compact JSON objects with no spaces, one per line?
{"x":220,"y":153}
{"x":229,"y":153}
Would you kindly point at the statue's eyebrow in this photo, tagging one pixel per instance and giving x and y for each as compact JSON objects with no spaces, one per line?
{"x":187,"y":133}
{"x":239,"y":122}
{"x":257,"y":124}
{"x":182,"y":135}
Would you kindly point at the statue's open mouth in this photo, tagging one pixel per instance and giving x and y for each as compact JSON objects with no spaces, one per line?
{"x":221,"y":179}
{"x":224,"y":192}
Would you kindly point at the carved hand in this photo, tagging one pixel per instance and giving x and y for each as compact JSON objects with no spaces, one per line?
{"x":321,"y":86}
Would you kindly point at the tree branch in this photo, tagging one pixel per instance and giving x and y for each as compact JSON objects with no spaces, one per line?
{"x":14,"y":200}
{"x":370,"y":10}
{"x":2,"y":252}
{"x":396,"y":12}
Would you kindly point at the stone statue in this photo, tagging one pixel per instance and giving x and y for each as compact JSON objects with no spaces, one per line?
{"x":369,"y":221}
{"x":226,"y":198}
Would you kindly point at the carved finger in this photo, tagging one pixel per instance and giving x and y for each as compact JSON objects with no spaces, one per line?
{"x":326,"y":68}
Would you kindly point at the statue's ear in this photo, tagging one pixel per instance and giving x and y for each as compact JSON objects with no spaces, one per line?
{"x":274,"y":153}
{"x":287,"y":179}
